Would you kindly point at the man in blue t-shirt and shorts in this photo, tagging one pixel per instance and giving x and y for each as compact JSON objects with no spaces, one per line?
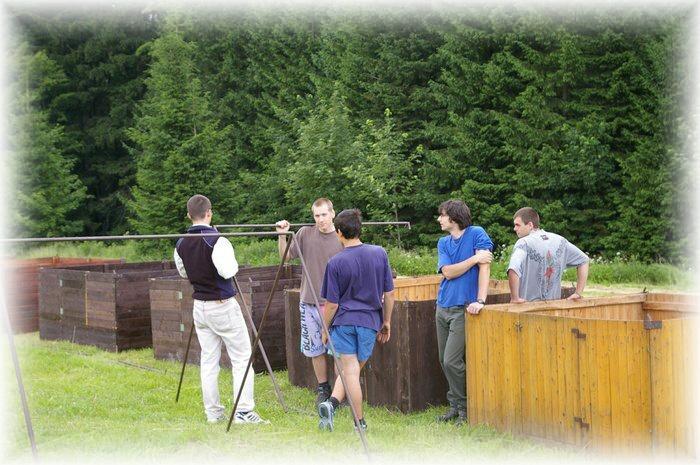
{"x":354,"y":283}
{"x":464,"y":258}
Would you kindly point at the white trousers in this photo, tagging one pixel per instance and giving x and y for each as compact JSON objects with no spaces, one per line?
{"x":217,"y":321}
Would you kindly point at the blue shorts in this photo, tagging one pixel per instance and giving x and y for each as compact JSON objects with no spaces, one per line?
{"x":353,"y":340}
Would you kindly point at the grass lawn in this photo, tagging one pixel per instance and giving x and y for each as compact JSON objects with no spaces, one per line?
{"x":91,"y":405}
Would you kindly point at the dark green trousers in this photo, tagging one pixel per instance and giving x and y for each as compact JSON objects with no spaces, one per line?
{"x":450,"y":336}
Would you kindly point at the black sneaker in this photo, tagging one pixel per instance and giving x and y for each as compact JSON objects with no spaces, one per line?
{"x":363,"y":424}
{"x":325,"y":414}
{"x":450,"y":415}
{"x":323,"y":393}
{"x":461,"y":418}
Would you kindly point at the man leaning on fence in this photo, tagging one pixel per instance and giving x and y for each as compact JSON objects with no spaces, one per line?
{"x":210,"y":264}
{"x":539,"y":259}
{"x":464,"y":258}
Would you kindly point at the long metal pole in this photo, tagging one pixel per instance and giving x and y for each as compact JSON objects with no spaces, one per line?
{"x":184,"y":362}
{"x":15,"y":360}
{"x":18,"y":375}
{"x":249,"y":314}
{"x":22,"y":240}
{"x":406,"y":224}
{"x":257,"y":337}
{"x":336,"y":358}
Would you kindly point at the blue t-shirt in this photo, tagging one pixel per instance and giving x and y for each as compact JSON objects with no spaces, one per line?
{"x":356,"y":279}
{"x":464,"y":289}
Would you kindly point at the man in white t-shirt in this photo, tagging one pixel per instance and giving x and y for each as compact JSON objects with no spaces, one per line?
{"x":539,"y":259}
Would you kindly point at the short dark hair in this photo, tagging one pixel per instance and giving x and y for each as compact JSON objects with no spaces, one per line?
{"x":349,"y":222}
{"x":197,"y":206}
{"x":458,"y":212}
{"x":528,"y":215}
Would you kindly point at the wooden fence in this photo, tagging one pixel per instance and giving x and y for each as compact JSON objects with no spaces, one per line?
{"x":612,"y":374}
{"x":102,"y":305}
{"x":405,"y":373}
{"x":171,"y":314}
{"x":22,"y":287}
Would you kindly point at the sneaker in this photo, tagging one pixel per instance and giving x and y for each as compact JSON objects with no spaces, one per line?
{"x":324,"y":393}
{"x":450,"y":415}
{"x":217,"y":419}
{"x":363,"y":424}
{"x":249,"y":417}
{"x":325,"y":413}
{"x":461,"y":418}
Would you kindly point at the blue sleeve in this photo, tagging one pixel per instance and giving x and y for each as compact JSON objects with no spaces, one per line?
{"x":443,"y":257}
{"x":482,"y":241}
{"x":330,"y":290}
{"x":388,"y":279}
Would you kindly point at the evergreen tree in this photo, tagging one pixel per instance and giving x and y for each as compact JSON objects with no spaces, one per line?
{"x":178,"y":144}
{"x":48,"y":195}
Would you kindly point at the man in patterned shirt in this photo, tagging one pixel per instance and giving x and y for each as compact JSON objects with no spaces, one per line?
{"x":539,"y":259}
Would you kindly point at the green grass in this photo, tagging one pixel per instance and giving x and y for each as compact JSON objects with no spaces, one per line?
{"x":88,"y":403}
{"x":421,"y":261}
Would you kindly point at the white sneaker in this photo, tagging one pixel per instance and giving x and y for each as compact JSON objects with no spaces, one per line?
{"x":217,"y":419}
{"x":249,"y":417}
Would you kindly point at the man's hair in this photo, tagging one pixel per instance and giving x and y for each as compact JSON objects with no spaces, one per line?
{"x":321,"y":201}
{"x":528,"y":215}
{"x":197,"y":206}
{"x":457,"y":211}
{"x":349,"y":222}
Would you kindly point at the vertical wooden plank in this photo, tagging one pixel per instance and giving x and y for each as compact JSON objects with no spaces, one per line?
{"x":678,"y":387}
{"x":523,"y":374}
{"x":538,"y":356}
{"x":567,"y":380}
{"x":660,"y":395}
{"x":550,"y":392}
{"x":471,"y":359}
{"x":589,"y":381}
{"x":620,"y":390}
{"x":475,"y":326}
{"x":604,"y":416}
{"x":487,"y":350}
{"x":496,"y":364}
{"x":690,"y":347}
{"x":527,"y":373}
{"x":637,"y":367}
{"x":511,"y":370}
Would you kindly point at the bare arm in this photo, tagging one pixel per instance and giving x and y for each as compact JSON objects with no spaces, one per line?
{"x":484,"y":275}
{"x":384,"y":333}
{"x":581,"y":278}
{"x":329,"y":312}
{"x":458,"y":269}
{"x":514,"y":284}
{"x":282,"y":226}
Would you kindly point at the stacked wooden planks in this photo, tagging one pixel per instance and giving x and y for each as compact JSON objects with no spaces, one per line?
{"x":612,"y":374}
{"x":171,"y":314}
{"x":102,"y":305}
{"x":22,"y":287}
{"x":405,"y":373}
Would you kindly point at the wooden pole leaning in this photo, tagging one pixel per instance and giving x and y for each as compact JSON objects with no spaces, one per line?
{"x":257,"y":336}
{"x":18,"y":375}
{"x":184,"y":362}
{"x":249,"y":314}
{"x":28,"y":240}
{"x":336,"y":358}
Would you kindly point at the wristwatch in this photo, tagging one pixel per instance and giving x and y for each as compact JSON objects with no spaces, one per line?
{"x":480,"y":301}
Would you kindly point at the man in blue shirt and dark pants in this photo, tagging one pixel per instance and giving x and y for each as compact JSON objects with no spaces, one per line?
{"x":464,"y":258}
{"x":354,"y":283}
